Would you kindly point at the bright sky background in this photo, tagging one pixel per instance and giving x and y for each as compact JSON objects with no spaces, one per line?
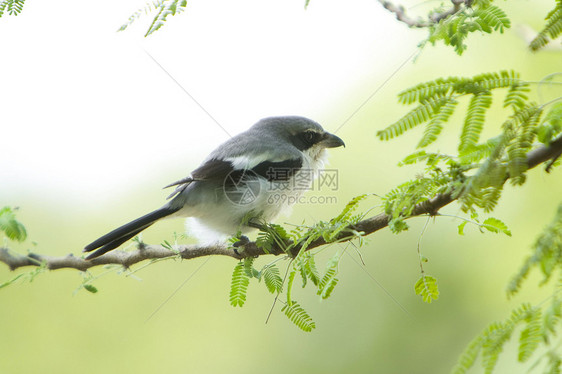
{"x":86,"y":110}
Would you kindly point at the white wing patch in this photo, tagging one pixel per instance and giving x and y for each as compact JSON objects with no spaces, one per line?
{"x":248,"y":162}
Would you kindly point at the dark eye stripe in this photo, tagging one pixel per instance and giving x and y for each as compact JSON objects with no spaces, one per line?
{"x":305,"y":140}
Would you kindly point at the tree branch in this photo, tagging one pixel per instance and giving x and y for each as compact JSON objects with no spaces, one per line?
{"x":144,"y":252}
{"x":120,"y":257}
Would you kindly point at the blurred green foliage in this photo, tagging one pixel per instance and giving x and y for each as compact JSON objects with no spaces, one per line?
{"x":11,"y":7}
{"x":10,"y":226}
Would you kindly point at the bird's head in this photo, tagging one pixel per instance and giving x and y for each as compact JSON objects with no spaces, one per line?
{"x":304,"y":134}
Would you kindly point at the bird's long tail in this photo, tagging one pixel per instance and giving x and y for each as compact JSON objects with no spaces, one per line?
{"x":121,"y":234}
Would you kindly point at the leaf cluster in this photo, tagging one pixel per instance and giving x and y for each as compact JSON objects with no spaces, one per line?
{"x":538,"y":324}
{"x":437,"y":100}
{"x":163,"y":9}
{"x":27,"y":276}
{"x":400,"y":202}
{"x":480,"y":17}
{"x":275,"y":284}
{"x":302,"y":262}
{"x":536,"y":328}
{"x":547,"y":254}
{"x":477,"y":174}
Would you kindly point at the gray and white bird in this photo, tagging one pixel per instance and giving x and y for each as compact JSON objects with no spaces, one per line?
{"x":233,"y":185}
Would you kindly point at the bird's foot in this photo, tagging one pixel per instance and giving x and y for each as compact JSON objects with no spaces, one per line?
{"x":242,"y":241}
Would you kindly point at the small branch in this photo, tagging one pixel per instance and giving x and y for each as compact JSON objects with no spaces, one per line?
{"x":400,"y":13}
{"x":144,"y":252}
{"x":118,"y":257}
{"x":401,"y":16}
{"x":544,"y":154}
{"x":457,"y":6}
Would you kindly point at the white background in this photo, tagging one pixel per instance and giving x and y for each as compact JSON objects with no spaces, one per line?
{"x":86,"y":110}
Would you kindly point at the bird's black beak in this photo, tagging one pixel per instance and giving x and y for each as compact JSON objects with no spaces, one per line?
{"x":331,"y":141}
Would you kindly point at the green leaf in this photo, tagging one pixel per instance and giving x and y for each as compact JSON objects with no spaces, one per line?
{"x":554,"y":363}
{"x":166,"y":8}
{"x":434,"y":127}
{"x":461,"y":227}
{"x":309,"y":268}
{"x":149,"y":7}
{"x":552,"y":29}
{"x":551,"y":126}
{"x":13,"y":229}
{"x":490,"y":342}
{"x":426,"y":90}
{"x":431,"y":159}
{"x":552,"y":316}
{"x":474,"y":121}
{"x":292,"y":275}
{"x":521,"y":132}
{"x":479,"y":152}
{"x":414,"y":158}
{"x":272,"y":279}
{"x":28,"y":276}
{"x":329,"y":280}
{"x":271,"y":234}
{"x":469,"y":356}
{"x":427,"y":110}
{"x":497,"y":334}
{"x":90,"y":288}
{"x":454,"y":29}
{"x":426,"y":287}
{"x":350,"y":207}
{"x":298,"y":316}
{"x":397,"y":225}
{"x":517,"y":96}
{"x":495,"y":225}
{"x":547,"y":254}
{"x":9,"y":282}
{"x":328,"y":288}
{"x":239,"y":285}
{"x":493,"y":17}
{"x":13,"y":7}
{"x":251,"y":272}
{"x":531,"y":336}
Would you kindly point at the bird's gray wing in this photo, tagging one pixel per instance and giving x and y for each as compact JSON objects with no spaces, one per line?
{"x":217,"y":171}
{"x":245,"y":151}
{"x":211,"y":170}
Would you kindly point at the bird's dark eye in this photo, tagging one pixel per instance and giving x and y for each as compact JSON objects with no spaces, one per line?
{"x":310,"y":137}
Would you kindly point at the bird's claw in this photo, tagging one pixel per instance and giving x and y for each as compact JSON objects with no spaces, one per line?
{"x":242,"y":241}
